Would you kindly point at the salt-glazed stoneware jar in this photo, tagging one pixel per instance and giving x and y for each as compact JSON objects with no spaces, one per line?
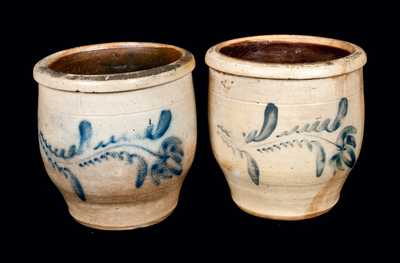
{"x":117,"y":130}
{"x":286,"y":116}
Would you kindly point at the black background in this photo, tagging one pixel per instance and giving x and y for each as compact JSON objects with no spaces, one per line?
{"x":206,"y":219}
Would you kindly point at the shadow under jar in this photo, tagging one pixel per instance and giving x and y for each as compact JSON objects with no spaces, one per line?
{"x":286,"y":118}
{"x":117,"y":130}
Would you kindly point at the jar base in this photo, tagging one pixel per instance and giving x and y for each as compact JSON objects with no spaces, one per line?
{"x":121,"y":228}
{"x":123,"y":215}
{"x":285,"y":217}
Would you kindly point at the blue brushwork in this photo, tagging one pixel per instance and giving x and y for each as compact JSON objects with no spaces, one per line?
{"x":170,"y":162}
{"x":311,"y":145}
{"x":321,"y":156}
{"x":162,"y":127}
{"x":76,"y":185}
{"x":345,"y":143}
{"x":110,"y":141}
{"x":268,"y":126}
{"x":284,"y":144}
{"x":252,"y":169}
{"x":320,"y":126}
{"x":85,"y":134}
{"x":342,"y":112}
{"x":287,"y":133}
{"x":142,"y":170}
{"x":66,"y":172}
{"x":167,"y":160}
{"x":223,"y":130}
{"x":345,"y":155}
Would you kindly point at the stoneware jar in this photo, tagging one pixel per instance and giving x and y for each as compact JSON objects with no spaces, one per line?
{"x":286,"y":116}
{"x":117,"y":130}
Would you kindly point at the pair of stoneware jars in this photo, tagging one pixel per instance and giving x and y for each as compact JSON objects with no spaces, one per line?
{"x":117,"y":125}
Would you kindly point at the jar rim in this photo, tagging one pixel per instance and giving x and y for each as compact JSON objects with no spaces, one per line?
{"x":46,"y":76}
{"x":356,"y":59}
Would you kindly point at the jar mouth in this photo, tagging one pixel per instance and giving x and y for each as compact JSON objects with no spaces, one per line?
{"x":282,"y":52}
{"x":286,"y":57}
{"x":112,"y":67}
{"x":115,"y":60}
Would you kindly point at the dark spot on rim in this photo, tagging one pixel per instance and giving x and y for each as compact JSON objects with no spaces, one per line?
{"x":283,"y":52}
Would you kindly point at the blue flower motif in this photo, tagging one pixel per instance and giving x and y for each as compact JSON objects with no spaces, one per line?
{"x":169,"y":162}
{"x":346,"y":144}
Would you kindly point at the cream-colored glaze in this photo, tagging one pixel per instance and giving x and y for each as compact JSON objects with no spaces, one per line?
{"x":117,"y":104}
{"x":239,"y":91}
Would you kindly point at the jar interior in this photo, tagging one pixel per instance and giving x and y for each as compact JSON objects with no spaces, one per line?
{"x":115,"y":60}
{"x":283,"y":52}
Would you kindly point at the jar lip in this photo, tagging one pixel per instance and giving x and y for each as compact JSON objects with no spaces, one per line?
{"x":309,"y":70}
{"x":113,"y":82}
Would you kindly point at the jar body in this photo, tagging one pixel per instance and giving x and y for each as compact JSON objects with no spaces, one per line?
{"x":119,"y":158}
{"x":286,"y":146}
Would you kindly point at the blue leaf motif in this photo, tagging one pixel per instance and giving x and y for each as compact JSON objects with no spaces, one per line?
{"x":268,"y":126}
{"x":344,"y":133}
{"x":321,"y":156}
{"x":252,"y":169}
{"x":351,"y":140}
{"x":142,"y":169}
{"x":162,"y":126}
{"x":334,"y":158}
{"x":85,"y":133}
{"x":76,"y":185}
{"x":169,"y":162}
{"x":349,"y":156}
{"x":342,"y":112}
{"x":336,"y":162}
{"x":158,"y":171}
{"x":345,"y":144}
{"x":172,"y":144}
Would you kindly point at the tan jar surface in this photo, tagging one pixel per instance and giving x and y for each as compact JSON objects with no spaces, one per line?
{"x":117,"y":130}
{"x":286,"y":118}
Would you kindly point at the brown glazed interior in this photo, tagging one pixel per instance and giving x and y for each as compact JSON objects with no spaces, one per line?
{"x":282,"y":52}
{"x":115,"y":60}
